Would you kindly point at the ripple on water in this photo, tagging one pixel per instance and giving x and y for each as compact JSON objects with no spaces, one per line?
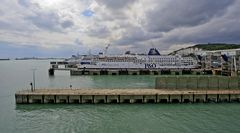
{"x":128,"y":118}
{"x":143,"y":118}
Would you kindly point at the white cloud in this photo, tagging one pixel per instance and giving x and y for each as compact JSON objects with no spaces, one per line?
{"x":134,"y":25}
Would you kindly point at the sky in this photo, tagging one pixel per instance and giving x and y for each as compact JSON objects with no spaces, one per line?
{"x":60,"y":28}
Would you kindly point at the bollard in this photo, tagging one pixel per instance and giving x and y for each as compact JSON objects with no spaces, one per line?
{"x":31,"y":86}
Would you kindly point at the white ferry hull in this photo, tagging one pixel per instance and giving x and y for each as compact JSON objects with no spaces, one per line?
{"x":113,"y":65}
{"x":151,"y":61}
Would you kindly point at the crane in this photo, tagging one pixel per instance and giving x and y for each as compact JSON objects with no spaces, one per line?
{"x":106,"y":48}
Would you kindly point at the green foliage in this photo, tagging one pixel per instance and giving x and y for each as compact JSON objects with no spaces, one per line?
{"x":216,"y":46}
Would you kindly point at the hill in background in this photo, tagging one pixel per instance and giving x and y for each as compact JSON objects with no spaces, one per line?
{"x":216,"y":46}
{"x":207,"y":47}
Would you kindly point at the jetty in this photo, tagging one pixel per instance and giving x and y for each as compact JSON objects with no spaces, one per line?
{"x":74,"y":71}
{"x":94,"y":96}
{"x":174,"y":89}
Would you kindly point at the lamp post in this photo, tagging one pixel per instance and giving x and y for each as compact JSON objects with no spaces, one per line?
{"x":33,"y":76}
{"x":31,"y":87}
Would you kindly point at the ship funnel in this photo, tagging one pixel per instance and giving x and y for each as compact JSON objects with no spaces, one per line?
{"x":153,"y":51}
{"x":199,"y":57}
{"x":225,"y":58}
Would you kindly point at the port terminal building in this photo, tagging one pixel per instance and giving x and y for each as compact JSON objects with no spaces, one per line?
{"x":220,"y":60}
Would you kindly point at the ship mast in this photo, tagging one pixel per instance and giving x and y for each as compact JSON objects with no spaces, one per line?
{"x":106,"y":48}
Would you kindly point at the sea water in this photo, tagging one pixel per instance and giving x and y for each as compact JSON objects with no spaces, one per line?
{"x":139,"y":118}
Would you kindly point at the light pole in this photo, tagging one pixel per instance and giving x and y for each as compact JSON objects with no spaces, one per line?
{"x":33,"y":70}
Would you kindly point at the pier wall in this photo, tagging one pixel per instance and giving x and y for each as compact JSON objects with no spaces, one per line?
{"x":111,"y":99}
{"x":131,"y":71}
{"x":197,"y":82}
{"x":63,"y":65}
{"x":103,"y":71}
{"x":134,"y":96}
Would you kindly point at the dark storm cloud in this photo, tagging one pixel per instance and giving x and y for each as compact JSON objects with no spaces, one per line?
{"x":134,"y":35}
{"x":220,"y":29}
{"x":99,"y":31}
{"x":49,"y":21}
{"x":169,"y":16}
{"x":116,"y":4}
{"x":67,"y":24}
{"x":115,"y":9}
{"x":14,"y":26}
{"x":28,"y":4}
{"x":24,"y":3}
{"x":226,"y":31}
{"x":184,"y":13}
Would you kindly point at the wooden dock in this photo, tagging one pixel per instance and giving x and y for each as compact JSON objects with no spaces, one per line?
{"x":80,"y":96}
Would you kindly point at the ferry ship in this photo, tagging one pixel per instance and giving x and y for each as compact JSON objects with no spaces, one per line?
{"x":152,"y":60}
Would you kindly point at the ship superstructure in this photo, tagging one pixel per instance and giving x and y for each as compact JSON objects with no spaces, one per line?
{"x":152,"y":60}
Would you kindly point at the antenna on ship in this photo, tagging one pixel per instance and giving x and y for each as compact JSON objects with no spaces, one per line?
{"x":106,"y":48}
{"x":89,"y":52}
{"x":152,"y":44}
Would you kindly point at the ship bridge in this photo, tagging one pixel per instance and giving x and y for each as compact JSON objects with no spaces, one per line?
{"x":153,"y":51}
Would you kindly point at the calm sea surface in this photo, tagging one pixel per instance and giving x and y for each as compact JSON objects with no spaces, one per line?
{"x":139,"y":118}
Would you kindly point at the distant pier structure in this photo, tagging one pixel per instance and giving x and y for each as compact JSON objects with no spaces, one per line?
{"x":65,"y":66}
{"x":59,"y":66}
{"x":74,"y":71}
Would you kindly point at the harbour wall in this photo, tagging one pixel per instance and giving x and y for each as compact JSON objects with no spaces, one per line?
{"x":197,"y":83}
{"x":140,"y":72}
{"x":168,"y":89}
{"x":62,"y":66}
{"x":120,"y":96}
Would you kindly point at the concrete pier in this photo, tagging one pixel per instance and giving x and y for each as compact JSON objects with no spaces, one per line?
{"x":131,"y":71}
{"x":64,"y":66}
{"x":95,"y":96}
{"x":197,"y":83}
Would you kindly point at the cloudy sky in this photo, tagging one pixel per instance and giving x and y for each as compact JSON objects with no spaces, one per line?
{"x":60,"y":28}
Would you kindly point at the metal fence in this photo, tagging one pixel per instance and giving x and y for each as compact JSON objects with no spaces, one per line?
{"x":197,"y":82}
